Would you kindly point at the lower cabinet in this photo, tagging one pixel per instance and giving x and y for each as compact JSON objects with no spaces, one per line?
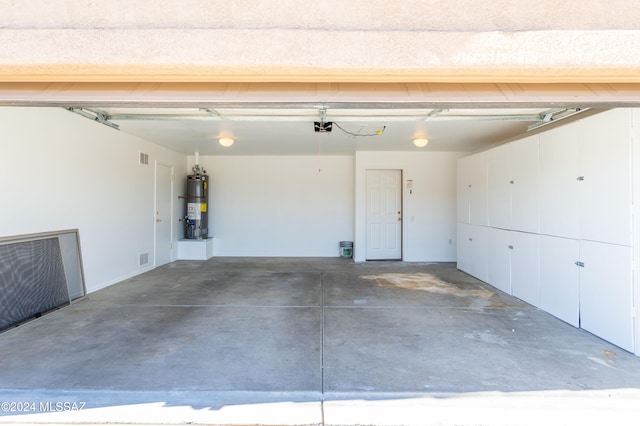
{"x":586,"y":284}
{"x":606,"y":292}
{"x":559,"y":278}
{"x":513,"y":263}
{"x":500,"y":259}
{"x":473,"y":253}
{"x":525,"y":283}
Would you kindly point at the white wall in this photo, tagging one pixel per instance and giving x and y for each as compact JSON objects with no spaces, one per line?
{"x":429,"y":213}
{"x":60,"y":171}
{"x":280,"y":205}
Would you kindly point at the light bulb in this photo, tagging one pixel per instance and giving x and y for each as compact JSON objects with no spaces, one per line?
{"x":226,"y":142}
{"x":420,"y":142}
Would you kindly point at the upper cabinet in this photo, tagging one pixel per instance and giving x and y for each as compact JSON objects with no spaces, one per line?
{"x":585,"y":179}
{"x":514,"y":186}
{"x":462,"y":188}
{"x":525,"y":193}
{"x":559,"y":185}
{"x":500,"y":181}
{"x":605,"y":178}
{"x":472,"y":189}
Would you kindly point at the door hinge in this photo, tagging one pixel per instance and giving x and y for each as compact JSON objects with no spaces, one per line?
{"x":580,"y":264}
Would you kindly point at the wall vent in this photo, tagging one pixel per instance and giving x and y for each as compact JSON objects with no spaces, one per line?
{"x":144,"y":158}
{"x":143,"y":259}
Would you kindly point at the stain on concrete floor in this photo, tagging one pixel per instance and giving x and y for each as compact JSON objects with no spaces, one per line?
{"x":427,"y":282}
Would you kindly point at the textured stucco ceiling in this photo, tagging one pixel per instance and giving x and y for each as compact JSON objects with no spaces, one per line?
{"x":331,"y":15}
{"x":330,"y":41}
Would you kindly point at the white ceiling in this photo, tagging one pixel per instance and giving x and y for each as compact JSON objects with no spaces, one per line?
{"x":290,"y":131}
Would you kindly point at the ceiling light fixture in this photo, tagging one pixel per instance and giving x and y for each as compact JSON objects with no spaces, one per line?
{"x":226,"y":142}
{"x":420,"y":142}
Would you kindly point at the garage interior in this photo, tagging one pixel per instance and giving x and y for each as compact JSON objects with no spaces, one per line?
{"x":272,"y":314}
{"x":500,"y":288}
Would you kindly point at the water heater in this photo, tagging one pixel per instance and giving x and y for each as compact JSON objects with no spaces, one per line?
{"x":196,"y":216}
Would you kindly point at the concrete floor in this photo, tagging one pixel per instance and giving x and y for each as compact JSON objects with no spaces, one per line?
{"x":310,"y":341}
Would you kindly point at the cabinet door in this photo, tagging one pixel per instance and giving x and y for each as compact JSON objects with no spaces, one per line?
{"x":464,"y":247}
{"x":463,"y":186}
{"x":525,"y":190}
{"x":559,"y":209}
{"x":478,"y":189}
{"x":499,"y":189}
{"x":500,"y":259}
{"x":524,"y":267}
{"x":559,"y":276}
{"x":473,"y":247}
{"x":480,"y":252}
{"x":606,"y":292}
{"x":605,"y":164}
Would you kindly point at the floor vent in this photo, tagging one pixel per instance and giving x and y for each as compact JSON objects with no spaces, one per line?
{"x":38,"y":274}
{"x":144,"y":158}
{"x":143,"y":259}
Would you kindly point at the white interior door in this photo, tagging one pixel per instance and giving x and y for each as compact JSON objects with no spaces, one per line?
{"x":384,"y":214}
{"x":163,"y":214}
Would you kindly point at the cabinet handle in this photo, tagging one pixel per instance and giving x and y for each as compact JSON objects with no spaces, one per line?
{"x":580,"y":264}
{"x":581,"y":178}
{"x":511,"y":182}
{"x":510,"y":247}
{"x":470,"y":239}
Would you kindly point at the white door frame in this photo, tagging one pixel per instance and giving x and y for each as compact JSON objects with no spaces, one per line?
{"x":360,"y":237}
{"x":155,"y":209}
{"x":383,"y":252}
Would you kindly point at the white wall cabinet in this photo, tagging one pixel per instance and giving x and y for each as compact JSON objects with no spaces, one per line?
{"x":524,"y":267}
{"x":513,"y":185}
{"x":605,"y":170}
{"x":606,"y":304}
{"x":525,"y":194}
{"x":463,"y":188}
{"x":500,"y":181}
{"x":500,"y":259}
{"x":473,"y":248}
{"x":560,"y":229}
{"x":585,"y":179}
{"x":559,"y":278}
{"x":464,"y":248}
{"x":513,"y":263}
{"x":472,"y":189}
{"x":559,"y":185}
